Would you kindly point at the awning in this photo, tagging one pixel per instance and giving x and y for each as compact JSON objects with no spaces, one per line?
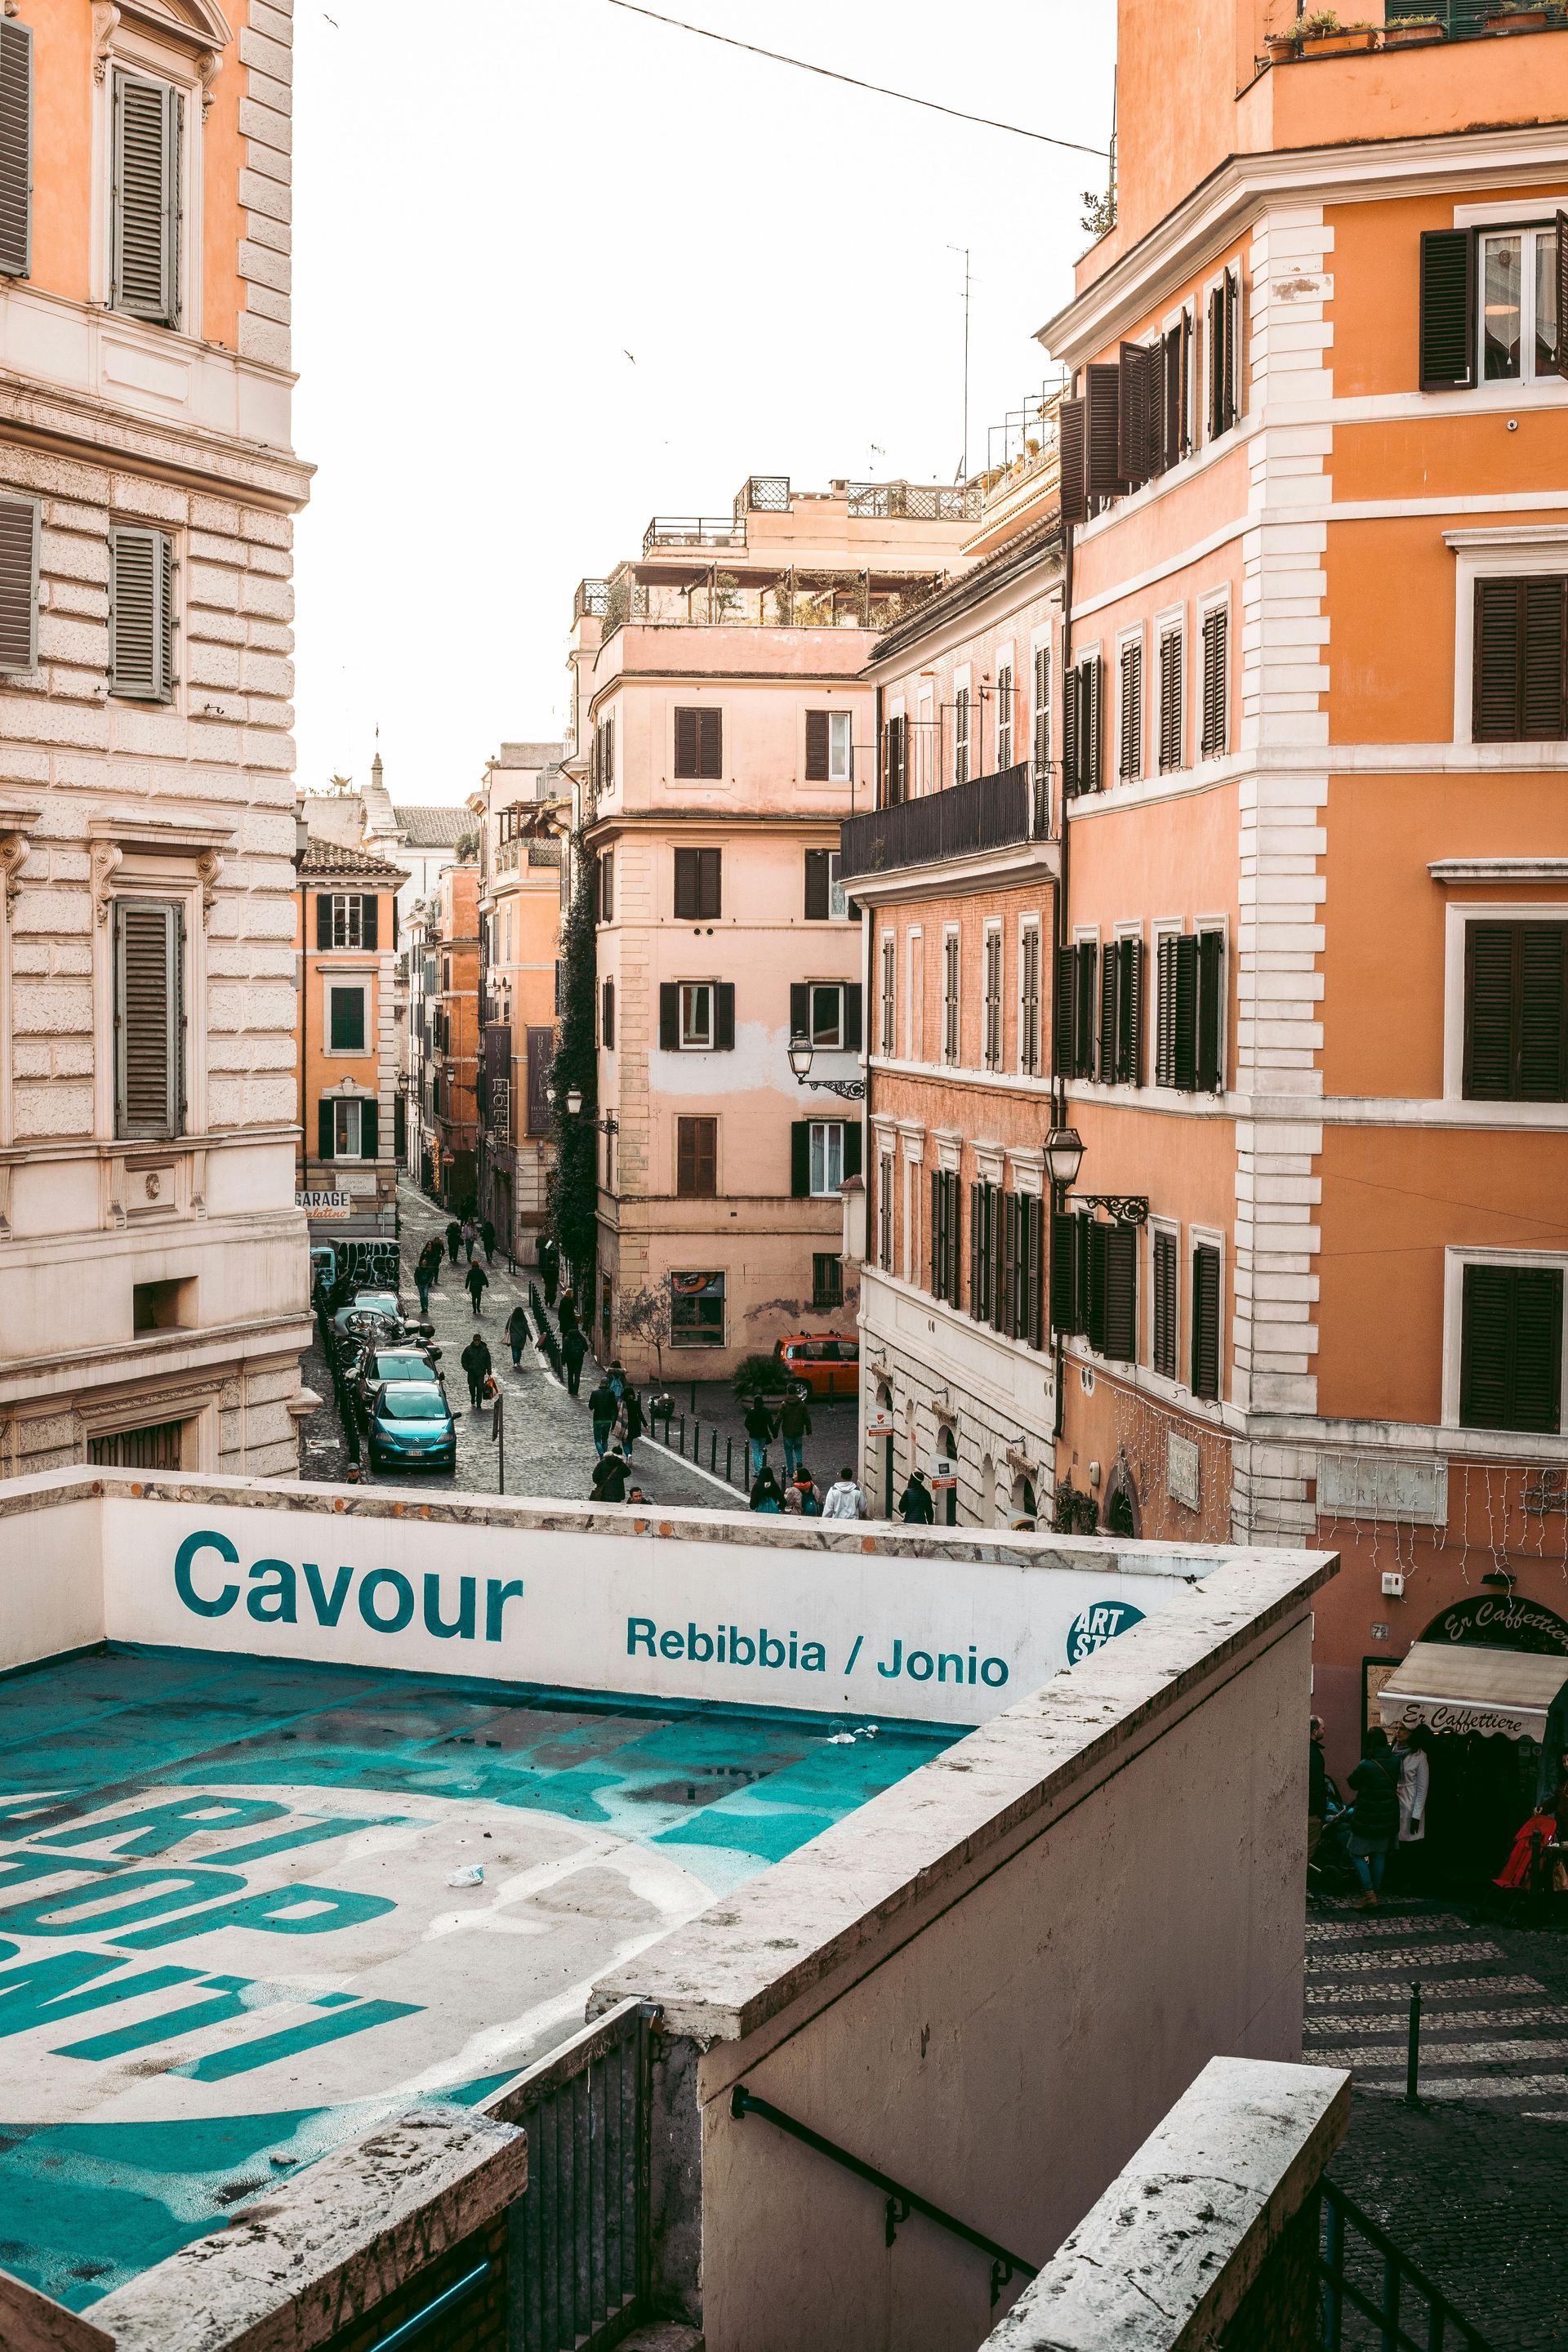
{"x":1471,"y":1686}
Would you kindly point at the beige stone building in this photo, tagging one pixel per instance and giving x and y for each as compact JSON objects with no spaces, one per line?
{"x":519,"y":817}
{"x":153,"y":1262}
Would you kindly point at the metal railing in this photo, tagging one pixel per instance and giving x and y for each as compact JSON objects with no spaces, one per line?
{"x":902,"y":2201}
{"x":1373,"y":2298}
{"x":988,"y":812}
{"x":919,"y":501}
{"x":693,"y":531}
{"x":762,"y":494}
{"x":580,"y":2280}
{"x":592,"y":600}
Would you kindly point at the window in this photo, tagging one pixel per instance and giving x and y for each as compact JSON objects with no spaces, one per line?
{"x":347,"y":919}
{"x":1082,"y":708}
{"x":149,"y":1017}
{"x":944,"y":1234}
{"x":1042,"y":748}
{"x":1029,"y":1000}
{"x":608,"y":1016}
{"x":823,"y":1152}
{"x":1022,"y":1296}
{"x":1176,"y":391}
{"x":1206,"y":1321}
{"x":828,"y":1012}
{"x":1005,"y":715}
{"x":159,"y":1446}
{"x":1173,"y":731}
{"x":141,"y":616}
{"x":992,"y":1044}
{"x":1216,"y":631}
{"x":885,"y":1212}
{"x":915,"y":981}
{"x":347,"y":1018}
{"x":1223,"y":353}
{"x":987,"y":1265}
{"x":951,"y":1007}
{"x":895,"y":761}
{"x":699,"y":876}
{"x":827,"y":1279}
{"x":1519,"y":689}
{"x":604,"y":757}
{"x":1130,"y":747}
{"x":1094,"y":1282}
{"x":697,"y":1017}
{"x":697,"y":1310}
{"x":1189,"y":1018}
{"x":1493,"y":305}
{"x":1122,"y":1013}
{"x":928,"y":738}
{"x":1164,"y":1291}
{"x":1510,"y":1349}
{"x":1076,"y":1008}
{"x":16,"y":148}
{"x":962,"y":714}
{"x":19,"y":570}
{"x":700,"y":744}
{"x":695,"y":1159}
{"x":146,"y":224}
{"x":1516,"y":1011}
{"x":347,"y":1128}
{"x":819,"y":893}
{"x":827,"y":747}
{"x":607,"y":884}
{"x":889,"y":967}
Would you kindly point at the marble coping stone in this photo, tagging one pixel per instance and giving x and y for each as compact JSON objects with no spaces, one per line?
{"x":1165,"y":2257}
{"x":725,"y":1974}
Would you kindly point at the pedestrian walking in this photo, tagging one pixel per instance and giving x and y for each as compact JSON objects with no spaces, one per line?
{"x":844,"y":1499}
{"x":1322,"y":1797}
{"x":488,"y":1236}
{"x":617,"y":1376}
{"x":476,"y":1281}
{"x":766,"y":1495}
{"x":794,"y":1428}
{"x":1374,"y":1814}
{"x":454,"y":1235}
{"x":567,"y":1315}
{"x":423,"y":1278}
{"x":1415,"y":1781}
{"x":518,"y":1335}
{"x":610,"y":1475}
{"x":801,"y":1497}
{"x":476,"y":1362}
{"x":574,"y":1348}
{"x":760,"y":1429}
{"x":549,"y":1267}
{"x":470,"y":1236}
{"x":602,"y":1410}
{"x":628,"y":1419}
{"x":915,"y":1505}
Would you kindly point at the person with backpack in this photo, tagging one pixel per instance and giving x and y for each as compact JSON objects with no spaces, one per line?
{"x":425,"y":1274}
{"x":794,"y":1428}
{"x":766,"y":1495}
{"x":801,"y":1497}
{"x":519,"y":1336}
{"x":760,"y":1430}
{"x":610,"y":1476}
{"x":476,"y":1362}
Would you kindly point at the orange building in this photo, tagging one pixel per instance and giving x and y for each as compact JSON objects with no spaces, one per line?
{"x":347,"y":1041}
{"x":451,"y":936}
{"x":520,"y":821}
{"x":1314,"y":722}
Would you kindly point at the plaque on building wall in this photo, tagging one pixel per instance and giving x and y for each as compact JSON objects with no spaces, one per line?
{"x":1182,"y":1471}
{"x":1382,"y":1486}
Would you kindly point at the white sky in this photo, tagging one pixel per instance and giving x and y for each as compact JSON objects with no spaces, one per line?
{"x":497,"y":200}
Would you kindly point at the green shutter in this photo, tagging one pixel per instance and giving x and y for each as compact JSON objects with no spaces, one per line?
{"x":1109,"y":1013}
{"x":724,"y":1017}
{"x":817,"y":877}
{"x":370,"y":920}
{"x":1206,"y":1321}
{"x":1121,"y":1307}
{"x":854,"y":1156}
{"x":16,"y":148}
{"x":1163,"y":1337}
{"x":1510,"y":1349}
{"x":326,"y":1139}
{"x":1447,"y":329}
{"x":145,"y":200}
{"x":800,"y":1159}
{"x":1562,"y":353}
{"x":369,"y":1129}
{"x":1209,"y":1074}
{"x":1067,"y":1288}
{"x":149,"y":1017}
{"x":1129,"y":1013}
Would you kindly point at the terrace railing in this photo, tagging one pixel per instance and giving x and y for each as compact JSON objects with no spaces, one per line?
{"x":987,"y":812}
{"x":920,"y":501}
{"x":693,"y":531}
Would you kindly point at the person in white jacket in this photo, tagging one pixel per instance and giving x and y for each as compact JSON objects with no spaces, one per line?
{"x":844,"y":1499}
{"x":1414,"y":1779}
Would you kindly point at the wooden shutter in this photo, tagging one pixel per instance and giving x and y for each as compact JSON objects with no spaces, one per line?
{"x":1230,"y":312}
{"x":1516,"y":1011}
{"x":326,"y":1133}
{"x":1173,"y":731}
{"x":1173,"y":355}
{"x":724,"y":1017}
{"x":1121,"y":1307}
{"x":1091,"y":1248}
{"x":1064,"y":1281}
{"x":1064,"y":1026}
{"x":1085,"y":997}
{"x":978,"y":1244}
{"x":1165,"y":1011}
{"x":709,"y":884}
{"x":140,"y":667}
{"x":1216,"y":360}
{"x":1495,"y":715}
{"x":1034,"y":1273}
{"x":1103,"y":383}
{"x":1092,"y":686}
{"x":16,"y":148}
{"x":323,"y":920}
{"x":1163,"y":1337}
{"x":1542,"y":1000}
{"x":145,"y":204}
{"x":1216,"y":681}
{"x":710,"y":744}
{"x":686,"y":745}
{"x":800,"y":1159}
{"x":149,"y":1024}
{"x":1448,"y":329}
{"x":1209,"y":1075}
{"x":1510,"y":1349}
{"x":668,"y":1017}
{"x":696,"y":1158}
{"x":1544,"y":664}
{"x":1130,"y":750}
{"x":854,"y":1016}
{"x":1072,"y":451}
{"x":370,"y":920}
{"x":1109,"y":1013}
{"x":854,"y":1153}
{"x":607,"y":1024}
{"x":1520,"y":688}
{"x":1186,"y":1013}
{"x":1562,"y":353}
{"x":369,"y":1130}
{"x":799,"y":1008}
{"x":816,"y":882}
{"x":686,"y":887}
{"x":1136,"y":409}
{"x":817,"y":764}
{"x":18,"y":584}
{"x":1129,"y":1013}
{"x":1072,"y":755}
{"x":1206,"y":1321}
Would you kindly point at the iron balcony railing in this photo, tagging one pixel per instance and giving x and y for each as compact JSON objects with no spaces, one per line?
{"x":919,"y":501}
{"x":693,"y":531}
{"x":988,"y":812}
{"x":592,"y":600}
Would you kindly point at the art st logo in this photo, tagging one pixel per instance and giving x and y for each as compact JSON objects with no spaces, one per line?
{"x":1100,"y":1623}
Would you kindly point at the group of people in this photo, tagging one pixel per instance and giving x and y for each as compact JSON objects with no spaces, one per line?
{"x":617,"y":1414}
{"x":1386,"y":1807}
{"x":799,"y":1496}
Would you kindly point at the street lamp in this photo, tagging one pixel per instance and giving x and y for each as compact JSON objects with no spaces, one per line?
{"x":574,"y":1100}
{"x":1064,"y":1157}
{"x":800,"y":1053}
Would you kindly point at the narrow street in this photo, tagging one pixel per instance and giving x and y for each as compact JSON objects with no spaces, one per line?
{"x":548,"y":1440}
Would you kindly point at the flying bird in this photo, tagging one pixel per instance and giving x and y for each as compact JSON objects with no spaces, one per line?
{"x":631,"y":356}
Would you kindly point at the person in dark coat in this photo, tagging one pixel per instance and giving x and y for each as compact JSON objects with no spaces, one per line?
{"x":603,"y":1407}
{"x":766,"y":1492}
{"x":760,"y":1428}
{"x":567,"y":1316}
{"x":1322,"y":1794}
{"x":519,"y":1336}
{"x":549,"y":1267}
{"x":488,"y":1236}
{"x":794,"y":1428}
{"x":1374,"y":1814}
{"x":454,"y":1235}
{"x":915,"y":1503}
{"x":424,"y":1276}
{"x":476,"y":1281}
{"x":574,"y":1348}
{"x":628,"y":1418}
{"x":476,"y":1362}
{"x":610,"y":1475}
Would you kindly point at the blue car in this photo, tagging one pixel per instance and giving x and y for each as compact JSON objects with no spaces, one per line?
{"x":410,"y":1427}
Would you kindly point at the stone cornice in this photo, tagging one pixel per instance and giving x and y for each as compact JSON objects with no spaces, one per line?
{"x":96,"y":432}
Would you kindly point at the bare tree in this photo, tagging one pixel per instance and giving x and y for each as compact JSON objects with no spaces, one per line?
{"x":645,"y":1315}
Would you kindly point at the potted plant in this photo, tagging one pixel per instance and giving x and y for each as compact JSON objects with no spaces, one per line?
{"x":1282,"y":47}
{"x":1324,"y":36}
{"x":1519,"y":16}
{"x":1411,"y":32}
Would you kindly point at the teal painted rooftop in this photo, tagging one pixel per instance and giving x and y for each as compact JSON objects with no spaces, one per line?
{"x":249,"y":1909}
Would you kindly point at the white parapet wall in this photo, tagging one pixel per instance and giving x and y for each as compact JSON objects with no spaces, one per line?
{"x":830,"y":1617}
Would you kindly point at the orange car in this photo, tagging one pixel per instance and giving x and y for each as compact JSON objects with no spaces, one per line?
{"x":822,"y":1362}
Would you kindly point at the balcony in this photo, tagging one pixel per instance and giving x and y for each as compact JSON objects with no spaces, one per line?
{"x":994,"y":812}
{"x":693,"y":531}
{"x":915,"y":501}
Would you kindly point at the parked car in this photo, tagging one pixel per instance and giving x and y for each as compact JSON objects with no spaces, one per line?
{"x":382,"y":1303}
{"x":410,"y":1426}
{"x":822,"y":1364}
{"x":403,"y":1361}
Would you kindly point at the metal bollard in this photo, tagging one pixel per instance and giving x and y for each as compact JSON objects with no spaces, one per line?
{"x":680,"y":1436}
{"x":713,"y":1450}
{"x":729,"y":1461}
{"x":1413,"y":2048}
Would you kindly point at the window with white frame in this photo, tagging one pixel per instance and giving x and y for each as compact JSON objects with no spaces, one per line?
{"x":889,"y":966}
{"x":1029,"y":1000}
{"x":1004,"y":696}
{"x":992,"y":1020}
{"x":962,"y":715}
{"x":696,"y":1016}
{"x":145,"y":198}
{"x":826,"y":1157}
{"x":1214,"y":633}
{"x":347,"y":919}
{"x":349,"y":1126}
{"x":828,"y":755}
{"x":1130,"y":707}
{"x":915,"y":1044}
{"x":348,"y":1024}
{"x":1042,"y":702}
{"x":1504,"y":1367}
{"x":1518,"y":280}
{"x":952,"y":955}
{"x":885,"y":1211}
{"x":825,"y":1013}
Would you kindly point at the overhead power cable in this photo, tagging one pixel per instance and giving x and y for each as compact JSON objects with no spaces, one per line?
{"x":880,"y":90}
